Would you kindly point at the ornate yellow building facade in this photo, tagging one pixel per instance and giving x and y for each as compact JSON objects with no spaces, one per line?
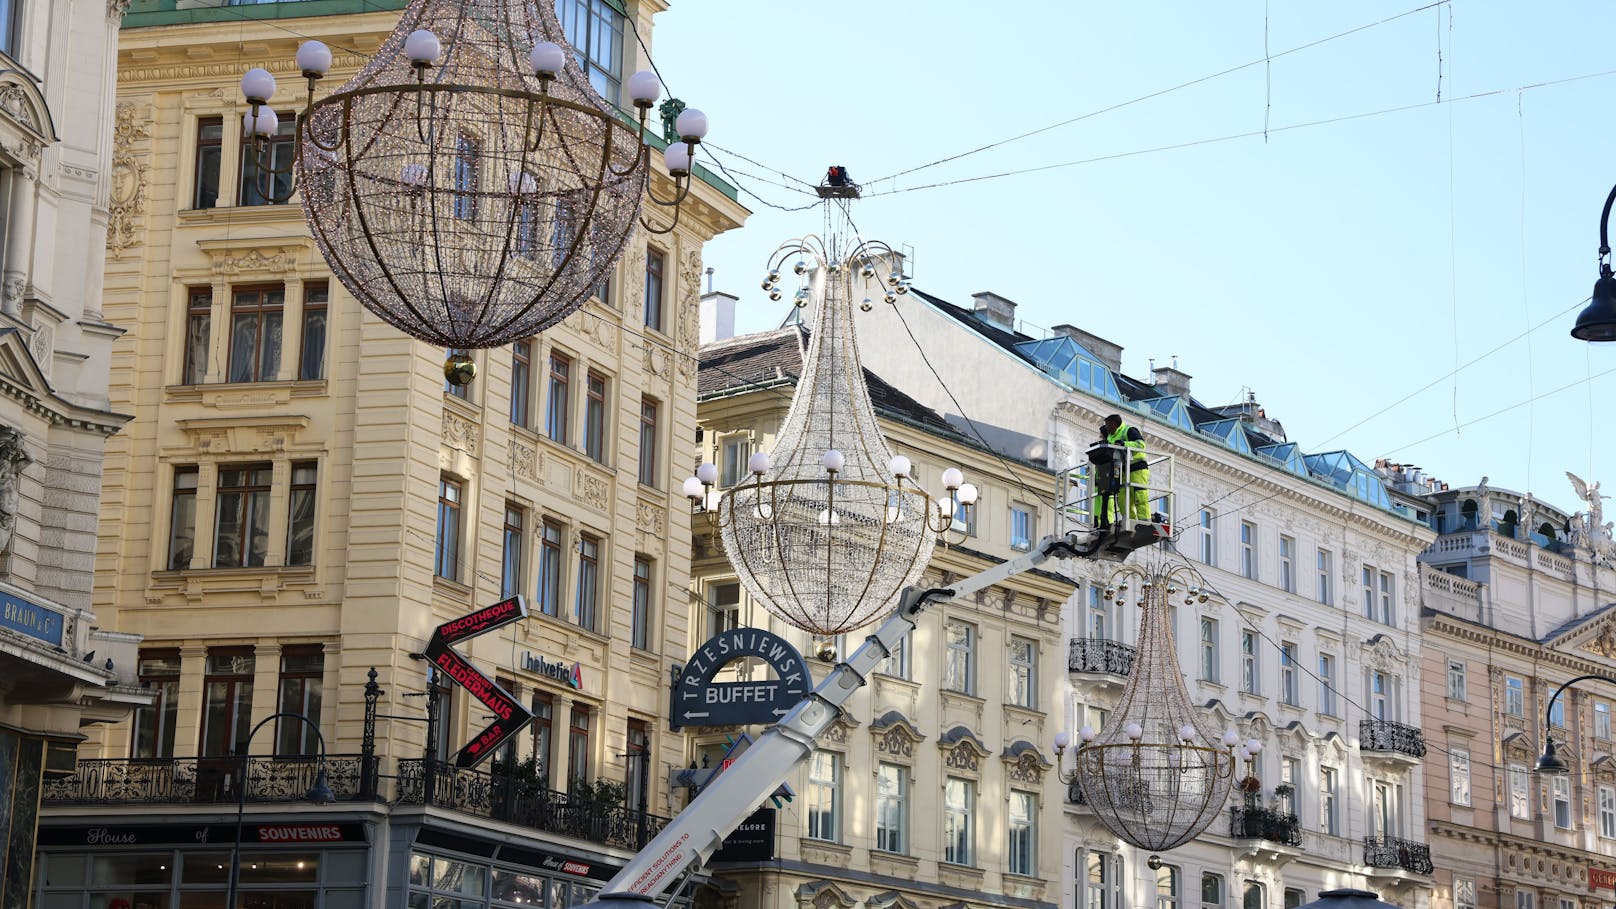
{"x":300,"y":499}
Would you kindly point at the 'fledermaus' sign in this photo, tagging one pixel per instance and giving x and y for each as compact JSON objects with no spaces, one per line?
{"x":700,"y":701}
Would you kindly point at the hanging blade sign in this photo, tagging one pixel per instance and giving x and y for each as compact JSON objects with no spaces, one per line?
{"x":509,"y":716}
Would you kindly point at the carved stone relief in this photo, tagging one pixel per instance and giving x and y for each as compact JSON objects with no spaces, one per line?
{"x":460,"y":433}
{"x":963,"y":757}
{"x":526,"y":461}
{"x":649,"y":518}
{"x":590,"y":490}
{"x":13,"y":458}
{"x":128,"y":195}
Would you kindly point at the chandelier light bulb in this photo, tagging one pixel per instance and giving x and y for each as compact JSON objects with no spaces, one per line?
{"x":902,"y":288}
{"x":1087,"y":733}
{"x":967,"y":494}
{"x":758,"y":463}
{"x":775,"y":294}
{"x":694,"y":488}
{"x":952,"y":478}
{"x":774,"y":276}
{"x":258,"y":85}
{"x":677,"y":158}
{"x":707,"y":474}
{"x":889,"y":297}
{"x":314,"y":58}
{"x":691,"y":125}
{"x":1133,"y":731}
{"x":866,"y":305}
{"x":1231,"y":738}
{"x":833,"y":460}
{"x":1186,"y":732}
{"x":644,"y":88}
{"x":547,"y":58}
{"x":422,"y":47}
{"x":894,"y":278}
{"x":800,"y":267}
{"x":900,"y":466}
{"x":1062,"y":739}
{"x":267,"y":123}
{"x":1253,"y":746}
{"x":867,"y":270}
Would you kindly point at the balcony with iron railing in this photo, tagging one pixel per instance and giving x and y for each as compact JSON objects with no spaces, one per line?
{"x":1250,"y":823}
{"x":1396,"y":742}
{"x":1394,"y":854}
{"x":1074,"y":794}
{"x":506,"y":798}
{"x":1098,"y":656}
{"x":208,"y":780}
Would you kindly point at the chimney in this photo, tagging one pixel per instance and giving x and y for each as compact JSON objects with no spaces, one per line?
{"x":995,"y":310}
{"x":1171,"y":380}
{"x":1109,"y":354}
{"x":717,"y":316}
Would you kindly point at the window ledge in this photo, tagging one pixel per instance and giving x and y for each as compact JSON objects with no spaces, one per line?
{"x":466,"y":407}
{"x":453,"y":590}
{"x":225,"y":395}
{"x":243,"y":214}
{"x":1017,"y":711}
{"x":951,"y":694}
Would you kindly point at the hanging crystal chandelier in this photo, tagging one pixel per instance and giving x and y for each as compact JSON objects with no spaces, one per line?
{"x":827,"y":532}
{"x":468,"y":185}
{"x":1154,"y":775}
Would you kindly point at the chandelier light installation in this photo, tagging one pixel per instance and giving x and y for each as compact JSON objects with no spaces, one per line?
{"x":468,"y":185}
{"x":1155,"y":775}
{"x":827,"y":532}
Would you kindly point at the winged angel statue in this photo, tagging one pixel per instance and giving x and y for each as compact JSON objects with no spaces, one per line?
{"x":1589,"y":529}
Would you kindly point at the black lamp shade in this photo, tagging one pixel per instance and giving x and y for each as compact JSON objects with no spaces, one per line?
{"x":1598,"y":321}
{"x":1550,"y":762}
{"x":320,"y":793}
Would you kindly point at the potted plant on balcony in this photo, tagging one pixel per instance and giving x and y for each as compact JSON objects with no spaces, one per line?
{"x":520,"y":784}
{"x":595,"y":805}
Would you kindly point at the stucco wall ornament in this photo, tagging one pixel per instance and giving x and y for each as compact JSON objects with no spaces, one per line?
{"x":13,"y":458}
{"x":128,"y":192}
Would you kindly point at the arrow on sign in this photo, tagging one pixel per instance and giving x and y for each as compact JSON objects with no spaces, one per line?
{"x":509,"y":716}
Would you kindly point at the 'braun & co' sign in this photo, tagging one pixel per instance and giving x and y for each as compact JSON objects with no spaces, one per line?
{"x":700,"y":701}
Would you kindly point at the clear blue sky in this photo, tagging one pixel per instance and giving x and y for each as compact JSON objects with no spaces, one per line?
{"x":1332,"y":269}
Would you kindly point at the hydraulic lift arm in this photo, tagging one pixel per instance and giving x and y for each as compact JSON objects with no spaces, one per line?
{"x":698,"y":830}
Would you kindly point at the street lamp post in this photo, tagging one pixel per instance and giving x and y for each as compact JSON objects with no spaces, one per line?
{"x":319,"y":793}
{"x":1598,"y":321}
{"x":1550,"y":761}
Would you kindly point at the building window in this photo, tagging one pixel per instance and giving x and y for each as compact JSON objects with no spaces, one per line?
{"x":1208,"y":549}
{"x":1290,"y":683}
{"x":182,"y":519}
{"x":159,"y":675}
{"x":1464,"y":893}
{"x":1602,"y":720}
{"x":450,"y":388}
{"x":959,"y":674}
{"x":198,"y":334}
{"x":1287,"y":564}
{"x":227,"y":701}
{"x":897,"y":664}
{"x":241,"y":533}
{"x":595,"y":416}
{"x":588,"y":605}
{"x":209,"y":153}
{"x":1023,"y":847}
{"x":1519,"y":804}
{"x":735,"y":453}
{"x":1327,"y":702}
{"x":1023,"y":673}
{"x":300,"y":513}
{"x":1514,"y":696}
{"x":1211,"y":890}
{"x":1329,"y":819}
{"x":302,"y":678}
{"x":1252,"y":896}
{"x":1525,"y":899}
{"x":1250,"y":663}
{"x":465,"y":178}
{"x":521,"y":382}
{"x":1456,"y":679}
{"x":272,"y":185}
{"x":594,"y":29}
{"x":723,"y":608}
{"x":316,"y":304}
{"x":640,"y":619}
{"x":550,"y":535}
{"x":1607,"y":812}
{"x":824,"y":795}
{"x":638,"y":739}
{"x":1562,"y":802}
{"x":255,"y":333}
{"x":653,"y":288}
{"x":1100,"y":880}
{"x":1167,"y":877}
{"x":447,"y":563}
{"x":1248,"y":550}
{"x":891,"y":809}
{"x":1323,"y":589}
{"x":648,"y":442}
{"x":578,"y":745}
{"x":1289,"y":775}
{"x":959,"y":829}
{"x":1099,"y":614}
{"x":543,"y":723}
{"x":556,"y":410}
{"x":1209,"y":649}
{"x":1021,"y":527}
{"x":1459,"y":776}
{"x":1380,"y":700}
{"x":1377,"y":596}
{"x":511,"y":542}
{"x":1557,"y":713}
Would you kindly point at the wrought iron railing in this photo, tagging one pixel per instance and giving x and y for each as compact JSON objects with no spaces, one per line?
{"x":1385,"y":735}
{"x":1264,"y":824}
{"x":278,"y":778}
{"x":1099,"y":655}
{"x":1391,"y":852}
{"x":503,"y":798}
